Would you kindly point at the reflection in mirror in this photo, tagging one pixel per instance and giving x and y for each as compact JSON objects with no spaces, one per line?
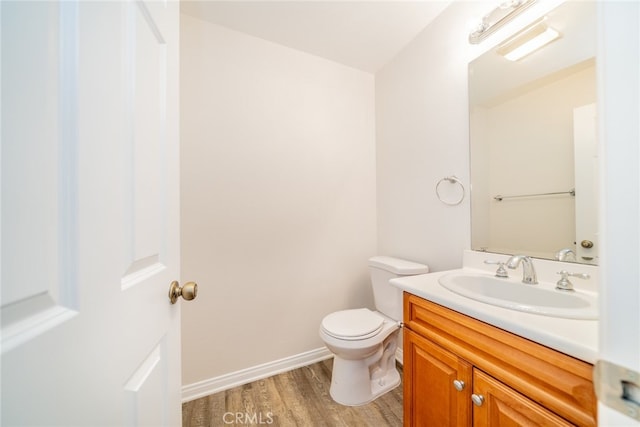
{"x":533,"y":145}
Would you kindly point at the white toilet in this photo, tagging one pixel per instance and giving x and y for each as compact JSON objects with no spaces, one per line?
{"x":363,"y":341}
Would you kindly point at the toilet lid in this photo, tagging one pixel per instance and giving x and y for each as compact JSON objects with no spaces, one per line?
{"x":356,"y":324}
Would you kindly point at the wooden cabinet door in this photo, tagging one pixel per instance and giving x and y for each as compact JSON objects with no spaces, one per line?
{"x":504,"y":407}
{"x":431,"y":399}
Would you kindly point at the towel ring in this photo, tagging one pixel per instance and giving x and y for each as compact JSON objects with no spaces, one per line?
{"x":453,"y":180}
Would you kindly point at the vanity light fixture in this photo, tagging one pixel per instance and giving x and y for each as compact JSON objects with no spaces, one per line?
{"x":528,"y":40}
{"x":495,"y":19}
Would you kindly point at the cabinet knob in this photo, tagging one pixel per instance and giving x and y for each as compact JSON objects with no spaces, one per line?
{"x":459,"y":385}
{"x":477,"y":399}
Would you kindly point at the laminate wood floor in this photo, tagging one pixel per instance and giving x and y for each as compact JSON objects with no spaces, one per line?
{"x":296,"y":398}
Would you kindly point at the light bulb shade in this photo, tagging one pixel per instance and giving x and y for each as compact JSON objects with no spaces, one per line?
{"x":528,"y":41}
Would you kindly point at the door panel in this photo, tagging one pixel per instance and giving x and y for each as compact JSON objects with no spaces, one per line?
{"x":145,"y":169}
{"x":504,"y":407}
{"x":142,"y":406}
{"x":430,"y":396}
{"x":39,"y":288}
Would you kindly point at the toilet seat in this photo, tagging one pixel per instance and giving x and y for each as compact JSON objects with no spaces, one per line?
{"x":353,"y":325}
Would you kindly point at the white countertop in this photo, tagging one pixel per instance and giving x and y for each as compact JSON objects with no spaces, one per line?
{"x":577,"y":338}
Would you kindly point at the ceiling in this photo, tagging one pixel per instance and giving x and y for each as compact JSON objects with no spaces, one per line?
{"x":360,"y":34}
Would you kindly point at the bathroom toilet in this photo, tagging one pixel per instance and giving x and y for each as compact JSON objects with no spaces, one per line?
{"x":363,"y":341}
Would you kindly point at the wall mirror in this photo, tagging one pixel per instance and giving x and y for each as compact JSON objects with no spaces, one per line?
{"x":533,"y":146}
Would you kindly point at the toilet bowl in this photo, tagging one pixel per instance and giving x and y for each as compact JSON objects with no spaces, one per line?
{"x":364,"y":341}
{"x":364,"y":359}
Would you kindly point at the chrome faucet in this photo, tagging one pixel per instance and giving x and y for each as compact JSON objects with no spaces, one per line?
{"x":528,"y":272}
{"x":566,"y":254}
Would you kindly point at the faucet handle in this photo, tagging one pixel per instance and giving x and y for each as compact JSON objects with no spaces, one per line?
{"x":564,"y":284}
{"x":500,"y":272}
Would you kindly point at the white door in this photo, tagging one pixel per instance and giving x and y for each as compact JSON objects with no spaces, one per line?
{"x":619,"y":131}
{"x":90,"y":211}
{"x":585,"y":143}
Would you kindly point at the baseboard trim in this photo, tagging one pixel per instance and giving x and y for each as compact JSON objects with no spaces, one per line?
{"x":245,"y":376}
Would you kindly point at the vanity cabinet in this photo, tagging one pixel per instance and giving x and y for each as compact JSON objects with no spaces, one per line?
{"x":459,"y":371}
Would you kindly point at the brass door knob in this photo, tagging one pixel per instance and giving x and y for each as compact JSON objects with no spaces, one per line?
{"x":587,"y":244}
{"x":189,"y":291}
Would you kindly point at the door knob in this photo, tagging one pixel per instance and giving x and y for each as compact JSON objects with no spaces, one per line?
{"x":587,"y":244}
{"x":189,"y":291}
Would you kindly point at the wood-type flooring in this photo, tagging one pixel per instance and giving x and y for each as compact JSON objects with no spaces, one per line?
{"x":298,"y":398}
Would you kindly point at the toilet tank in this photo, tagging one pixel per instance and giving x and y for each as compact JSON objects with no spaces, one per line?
{"x":388,"y":298}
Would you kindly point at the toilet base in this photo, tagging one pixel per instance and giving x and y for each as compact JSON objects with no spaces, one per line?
{"x":353,"y":386}
{"x":358,"y":382}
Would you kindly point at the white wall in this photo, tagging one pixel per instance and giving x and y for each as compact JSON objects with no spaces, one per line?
{"x":422,"y":136}
{"x":278,"y":197}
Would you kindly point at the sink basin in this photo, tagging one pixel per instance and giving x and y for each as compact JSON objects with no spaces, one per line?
{"x":511,"y":293}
